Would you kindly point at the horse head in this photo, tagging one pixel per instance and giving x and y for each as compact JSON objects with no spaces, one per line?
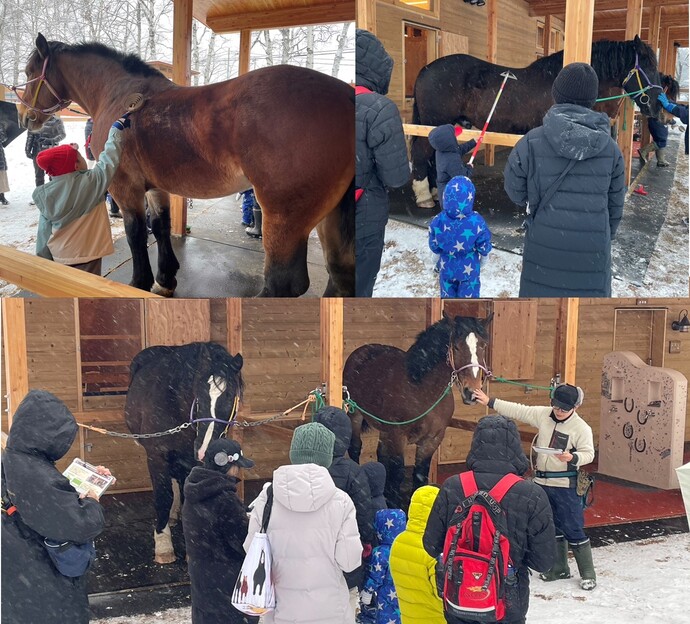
{"x":644,"y":74}
{"x":469,"y":339}
{"x":219,"y":387}
{"x":41,"y":97}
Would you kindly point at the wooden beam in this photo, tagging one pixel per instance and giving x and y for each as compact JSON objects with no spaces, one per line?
{"x":331,"y":324}
{"x":654,"y":29}
{"x":570,"y":347}
{"x":493,"y":138}
{"x":16,"y":358}
{"x":233,"y":311}
{"x":182,"y":75}
{"x":284,"y":18}
{"x":579,"y":17}
{"x":491,"y":57}
{"x":366,"y":15}
{"x":245,"y":50}
{"x":50,"y":279}
{"x":434,"y":313}
{"x":547,"y":35}
{"x":538,"y":8}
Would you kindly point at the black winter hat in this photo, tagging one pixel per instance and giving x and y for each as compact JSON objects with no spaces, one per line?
{"x":576,"y":83}
{"x":567,"y":397}
{"x":223,"y":454}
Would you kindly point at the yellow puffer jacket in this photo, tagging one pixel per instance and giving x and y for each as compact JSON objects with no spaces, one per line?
{"x":413,"y":570}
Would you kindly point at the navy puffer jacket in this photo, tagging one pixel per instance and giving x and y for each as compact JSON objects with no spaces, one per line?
{"x":567,"y":249}
{"x":449,"y":153}
{"x":496,"y":452}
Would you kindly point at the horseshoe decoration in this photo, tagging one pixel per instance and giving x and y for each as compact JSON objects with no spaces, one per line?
{"x":628,"y":431}
{"x":644,"y":445}
{"x":645,"y":417}
{"x":625,"y":405}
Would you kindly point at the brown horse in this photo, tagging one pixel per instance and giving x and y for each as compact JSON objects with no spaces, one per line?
{"x":286,"y":131}
{"x":398,"y":386}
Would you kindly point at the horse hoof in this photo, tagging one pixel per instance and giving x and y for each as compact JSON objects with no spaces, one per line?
{"x":165,"y":558}
{"x":162,"y":291}
{"x":427,"y":204}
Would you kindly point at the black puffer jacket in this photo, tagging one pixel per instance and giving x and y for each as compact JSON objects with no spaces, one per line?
{"x":50,"y":135}
{"x":215,"y":526}
{"x":495,"y":452}
{"x":376,"y":476}
{"x":449,"y":153}
{"x":567,"y":249}
{"x":381,"y":153}
{"x":42,"y":432}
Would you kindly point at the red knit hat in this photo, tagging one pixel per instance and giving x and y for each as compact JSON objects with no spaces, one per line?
{"x":58,"y":160}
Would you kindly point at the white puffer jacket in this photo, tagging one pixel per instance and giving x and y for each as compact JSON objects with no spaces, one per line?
{"x":314,"y":539}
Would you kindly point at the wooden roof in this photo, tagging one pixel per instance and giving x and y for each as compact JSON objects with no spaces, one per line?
{"x":224,"y":16}
{"x":609,"y":17}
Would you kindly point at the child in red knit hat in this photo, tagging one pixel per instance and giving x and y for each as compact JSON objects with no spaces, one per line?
{"x":70,"y":230}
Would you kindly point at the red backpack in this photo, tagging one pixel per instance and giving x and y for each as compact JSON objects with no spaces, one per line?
{"x":476,"y":553}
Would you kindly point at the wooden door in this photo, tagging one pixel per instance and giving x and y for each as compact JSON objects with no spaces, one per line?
{"x":642,"y":331}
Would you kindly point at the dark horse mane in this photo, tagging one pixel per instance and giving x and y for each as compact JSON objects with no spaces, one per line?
{"x":131,"y":63}
{"x":431,"y":347}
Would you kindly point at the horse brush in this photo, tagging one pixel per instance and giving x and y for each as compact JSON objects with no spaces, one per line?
{"x":505,"y":75}
{"x":134,"y":102}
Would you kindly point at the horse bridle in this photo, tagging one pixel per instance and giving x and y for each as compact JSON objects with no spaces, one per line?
{"x":450,"y":360}
{"x":635,"y":73}
{"x":231,"y":420}
{"x":42,"y":80}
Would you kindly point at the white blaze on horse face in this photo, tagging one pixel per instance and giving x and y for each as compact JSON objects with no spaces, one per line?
{"x":216,"y":387}
{"x":472,"y":341}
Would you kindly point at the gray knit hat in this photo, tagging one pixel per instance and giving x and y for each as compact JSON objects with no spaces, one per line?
{"x":576,"y":83}
{"x":312,"y":444}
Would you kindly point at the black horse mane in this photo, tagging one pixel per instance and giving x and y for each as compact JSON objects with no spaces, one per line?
{"x":131,"y":63}
{"x":610,"y":59}
{"x":431,"y":347}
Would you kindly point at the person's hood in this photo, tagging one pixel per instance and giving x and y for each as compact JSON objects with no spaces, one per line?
{"x":576,"y":132}
{"x":389,"y":523}
{"x":442,"y":139}
{"x":496,"y":447}
{"x":420,"y":507}
{"x":303,"y":487}
{"x":203,"y":483}
{"x":43,"y":426}
{"x":337,"y":421}
{"x":458,"y":197}
{"x":374,"y":65}
{"x":376,"y":475}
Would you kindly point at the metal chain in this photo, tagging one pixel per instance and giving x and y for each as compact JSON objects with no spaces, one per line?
{"x":118,"y":434}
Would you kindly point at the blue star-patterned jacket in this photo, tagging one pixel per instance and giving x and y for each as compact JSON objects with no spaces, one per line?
{"x":389,"y":524}
{"x":458,"y":234}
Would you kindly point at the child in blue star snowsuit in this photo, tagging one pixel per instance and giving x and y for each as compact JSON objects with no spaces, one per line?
{"x":460,"y":236}
{"x":248,"y":207}
{"x":379,"y":598}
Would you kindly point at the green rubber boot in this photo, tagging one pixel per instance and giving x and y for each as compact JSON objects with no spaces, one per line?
{"x":646,"y":151}
{"x":560,"y":569}
{"x":583,"y":557}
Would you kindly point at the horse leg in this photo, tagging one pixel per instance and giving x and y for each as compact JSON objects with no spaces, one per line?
{"x":159,"y":211}
{"x":390,"y":453}
{"x":285,"y":266}
{"x":355,"y":449}
{"x":162,"y":500}
{"x":422,"y":462}
{"x":421,"y":154}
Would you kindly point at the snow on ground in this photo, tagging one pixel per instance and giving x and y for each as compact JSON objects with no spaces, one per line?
{"x":643,"y":582}
{"x":407,"y":264}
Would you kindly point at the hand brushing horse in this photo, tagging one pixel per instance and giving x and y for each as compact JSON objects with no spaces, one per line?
{"x":287,"y":131}
{"x":460,"y":89}
{"x":172,"y":386}
{"x":398,"y":386}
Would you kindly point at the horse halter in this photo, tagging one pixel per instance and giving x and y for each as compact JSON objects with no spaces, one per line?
{"x":42,"y":80}
{"x":450,"y":360}
{"x":231,"y":420}
{"x":635,"y":73}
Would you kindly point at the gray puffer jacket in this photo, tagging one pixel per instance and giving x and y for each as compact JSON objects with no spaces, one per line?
{"x":380,"y":149}
{"x":567,"y":249}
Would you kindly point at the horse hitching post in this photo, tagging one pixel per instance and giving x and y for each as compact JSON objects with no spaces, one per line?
{"x":505,"y":75}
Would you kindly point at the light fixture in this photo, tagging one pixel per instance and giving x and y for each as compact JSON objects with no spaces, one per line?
{"x":476,"y":2}
{"x":681,"y":324}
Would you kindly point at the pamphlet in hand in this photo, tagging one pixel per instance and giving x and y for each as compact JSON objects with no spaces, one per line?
{"x":84,"y":478}
{"x":546,"y":450}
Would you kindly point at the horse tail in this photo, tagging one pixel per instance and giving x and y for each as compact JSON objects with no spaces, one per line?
{"x":347,"y":215}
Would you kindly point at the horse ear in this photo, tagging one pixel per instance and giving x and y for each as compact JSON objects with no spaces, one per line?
{"x":444,"y":314}
{"x":638,"y":43}
{"x":236,"y":363}
{"x":42,"y":46}
{"x":488,"y":319}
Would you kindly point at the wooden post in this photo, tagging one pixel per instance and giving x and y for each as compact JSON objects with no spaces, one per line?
{"x":233,"y":316}
{"x":579,"y":22}
{"x":16,"y":359}
{"x":245,"y":50}
{"x":434,"y":313}
{"x":633,"y":26}
{"x":570,"y":351}
{"x":182,"y":72}
{"x":655,"y":28}
{"x":491,"y":53}
{"x":366,"y":15}
{"x":331,"y":323}
{"x":547,"y":35}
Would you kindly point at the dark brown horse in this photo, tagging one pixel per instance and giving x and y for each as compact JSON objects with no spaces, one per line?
{"x":461,"y":89}
{"x":287,"y":131}
{"x":398,"y":386}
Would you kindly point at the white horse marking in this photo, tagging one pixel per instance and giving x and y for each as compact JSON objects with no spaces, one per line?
{"x":216,"y":387}
{"x":471,"y":341}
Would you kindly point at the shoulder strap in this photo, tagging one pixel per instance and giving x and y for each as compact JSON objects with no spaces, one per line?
{"x":359,"y":90}
{"x":267,"y":508}
{"x":499,"y":490}
{"x":468,"y":483}
{"x":550,"y":192}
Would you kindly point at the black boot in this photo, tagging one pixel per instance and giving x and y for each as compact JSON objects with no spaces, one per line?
{"x":255,"y":230}
{"x":3,"y":201}
{"x":560,"y":569}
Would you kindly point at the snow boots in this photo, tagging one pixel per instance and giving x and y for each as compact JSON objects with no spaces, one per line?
{"x":3,"y":201}
{"x":583,"y":557}
{"x":661,"y":158}
{"x":560,"y":568}
{"x":644,"y":152}
{"x":255,"y":230}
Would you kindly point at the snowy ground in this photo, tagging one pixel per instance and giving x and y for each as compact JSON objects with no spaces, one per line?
{"x":407,"y":264}
{"x":638,"y":583}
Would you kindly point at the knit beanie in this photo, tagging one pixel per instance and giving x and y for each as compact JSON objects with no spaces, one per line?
{"x":312,"y":444}
{"x":576,"y":83}
{"x":567,"y":397}
{"x":58,"y":160}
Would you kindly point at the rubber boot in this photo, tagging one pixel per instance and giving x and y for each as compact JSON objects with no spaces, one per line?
{"x":255,"y":230}
{"x":560,"y":569}
{"x":583,"y":557}
{"x":646,"y":151}
{"x":661,"y":158}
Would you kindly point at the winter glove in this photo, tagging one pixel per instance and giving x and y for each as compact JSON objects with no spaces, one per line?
{"x":663,"y":100}
{"x":366,"y":551}
{"x":122,"y":123}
